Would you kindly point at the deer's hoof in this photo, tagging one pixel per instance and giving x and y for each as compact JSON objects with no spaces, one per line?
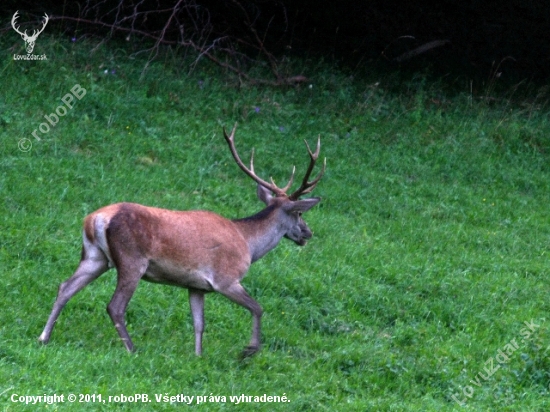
{"x":249,"y":351}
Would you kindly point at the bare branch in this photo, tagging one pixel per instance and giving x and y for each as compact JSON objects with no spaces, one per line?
{"x":422,"y":49}
{"x":190,"y":25}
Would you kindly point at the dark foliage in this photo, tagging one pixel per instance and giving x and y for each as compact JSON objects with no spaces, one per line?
{"x":475,"y":38}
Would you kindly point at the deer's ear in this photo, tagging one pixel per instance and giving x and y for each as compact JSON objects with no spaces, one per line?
{"x":264,"y":194}
{"x":302,"y":205}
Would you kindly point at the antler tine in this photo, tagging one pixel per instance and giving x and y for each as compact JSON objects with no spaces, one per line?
{"x":250,"y":172}
{"x":44,"y":23}
{"x":307,"y":187}
{"x":35,"y":32}
{"x":290,"y":181}
{"x":14,"y":22}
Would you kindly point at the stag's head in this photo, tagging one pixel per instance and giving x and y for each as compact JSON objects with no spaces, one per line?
{"x":29,"y":40}
{"x":290,"y":207}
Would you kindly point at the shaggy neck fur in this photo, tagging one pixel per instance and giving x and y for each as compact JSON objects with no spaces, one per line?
{"x":261,"y":231}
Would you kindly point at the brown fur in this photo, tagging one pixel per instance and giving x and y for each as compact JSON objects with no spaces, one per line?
{"x":197,"y":250}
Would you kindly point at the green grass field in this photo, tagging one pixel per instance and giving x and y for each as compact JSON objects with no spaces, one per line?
{"x":424,"y":287}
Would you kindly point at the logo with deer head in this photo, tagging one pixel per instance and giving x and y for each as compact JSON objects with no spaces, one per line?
{"x":29,"y":40}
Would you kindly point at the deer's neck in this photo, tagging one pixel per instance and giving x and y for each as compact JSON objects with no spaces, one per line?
{"x":261,"y":231}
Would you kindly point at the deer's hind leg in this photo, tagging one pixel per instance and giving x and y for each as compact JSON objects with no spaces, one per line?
{"x":93,"y":264}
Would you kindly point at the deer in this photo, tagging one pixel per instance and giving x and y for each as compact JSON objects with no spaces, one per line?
{"x":29,"y":40}
{"x":197,"y":250}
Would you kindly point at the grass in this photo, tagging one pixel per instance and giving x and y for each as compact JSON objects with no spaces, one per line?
{"x":429,"y":254}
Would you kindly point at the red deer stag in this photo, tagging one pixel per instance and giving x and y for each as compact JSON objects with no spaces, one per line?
{"x":197,"y":250}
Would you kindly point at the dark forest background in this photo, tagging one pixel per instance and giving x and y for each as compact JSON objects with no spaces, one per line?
{"x":508,"y":38}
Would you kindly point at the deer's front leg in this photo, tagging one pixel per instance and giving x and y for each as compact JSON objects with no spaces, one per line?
{"x":196,"y":302}
{"x":238,"y":294}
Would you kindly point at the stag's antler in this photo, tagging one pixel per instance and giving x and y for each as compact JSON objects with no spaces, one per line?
{"x":14,"y":21}
{"x":250,"y":172}
{"x":306,"y":186}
